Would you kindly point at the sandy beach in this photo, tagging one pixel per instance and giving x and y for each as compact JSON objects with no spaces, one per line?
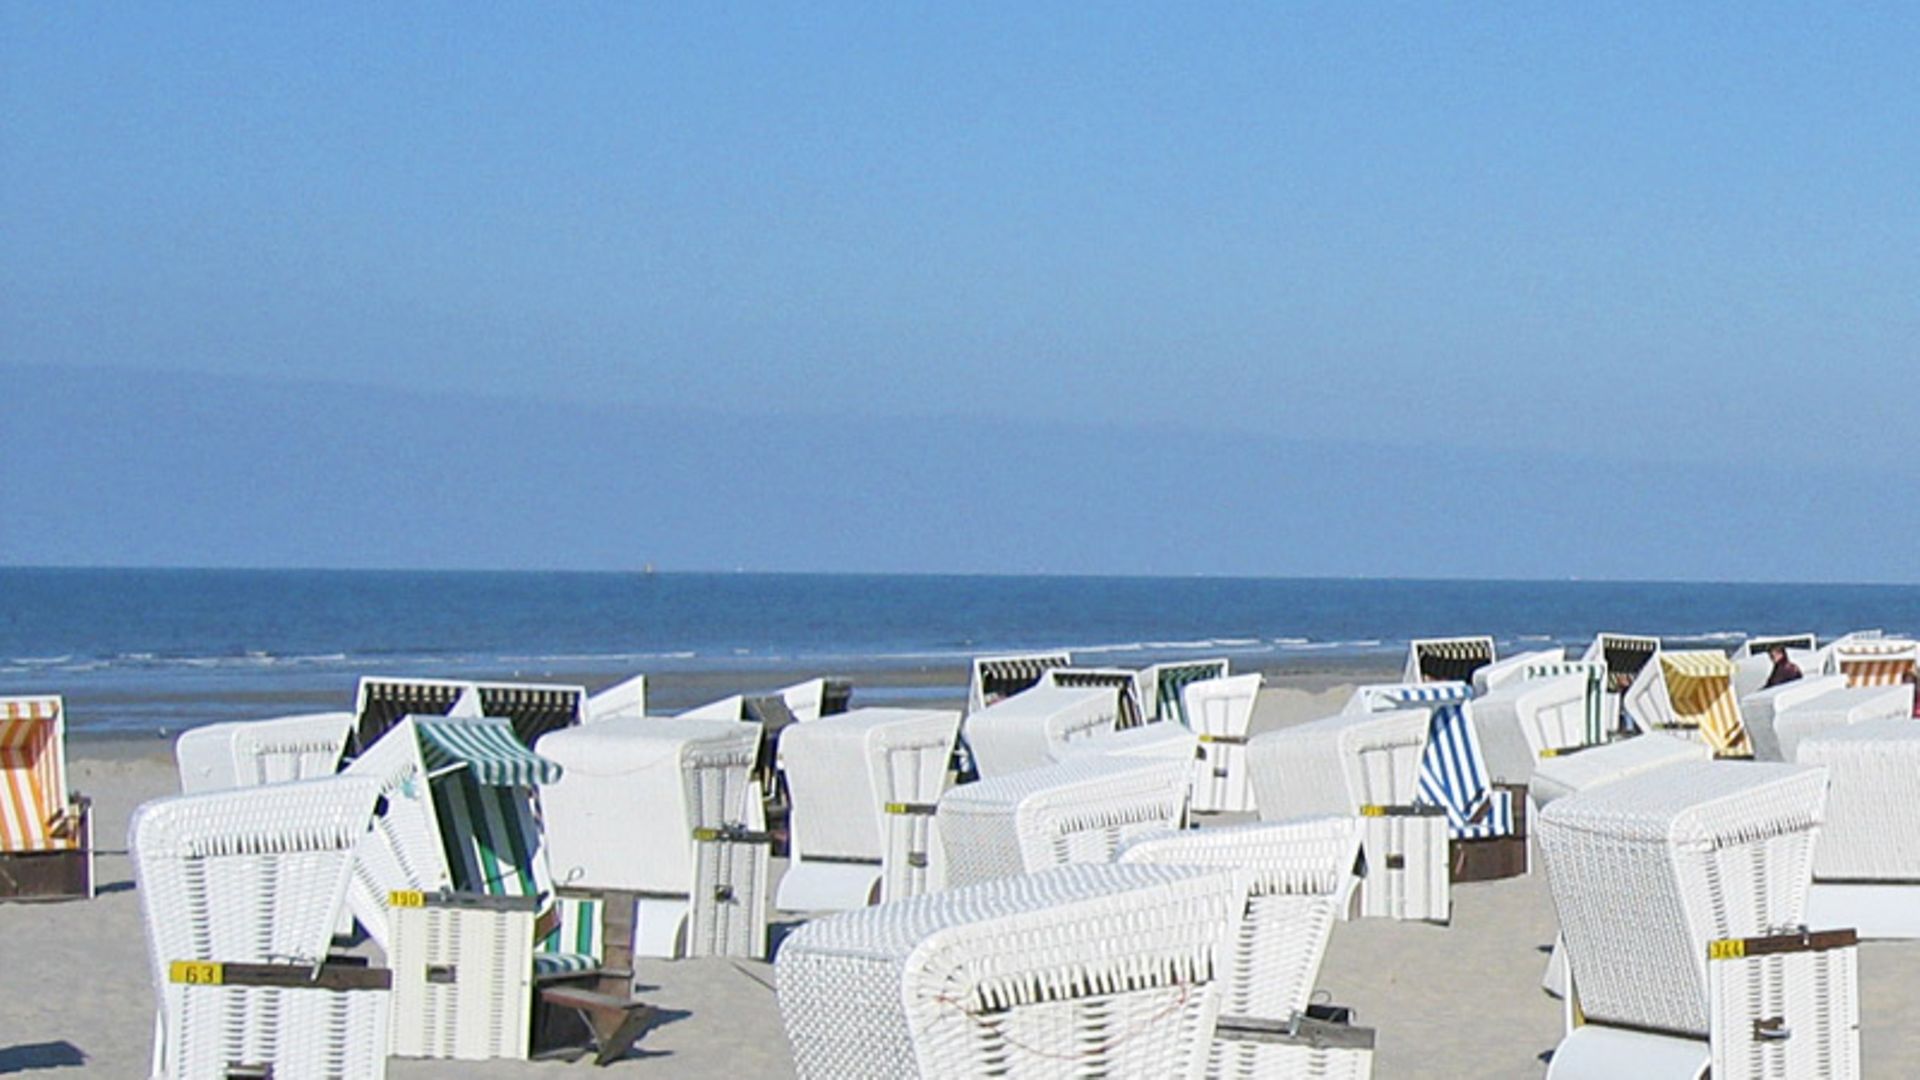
{"x":1450,"y":1001}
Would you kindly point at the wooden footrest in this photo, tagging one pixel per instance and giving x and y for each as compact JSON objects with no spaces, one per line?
{"x":616,"y":1022}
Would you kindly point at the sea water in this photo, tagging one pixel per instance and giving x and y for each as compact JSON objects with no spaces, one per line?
{"x":153,"y":649}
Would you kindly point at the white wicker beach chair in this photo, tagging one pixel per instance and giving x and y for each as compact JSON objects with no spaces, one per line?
{"x":1867,"y":868}
{"x":1028,"y":729}
{"x":1526,"y":720}
{"x":624,"y":700}
{"x":1220,"y":712}
{"x":1162,"y":685}
{"x":1674,"y":888}
{"x":1078,"y":971}
{"x":1506,"y":669}
{"x":1162,"y":740}
{"x":1077,"y":811}
{"x":1302,"y":873}
{"x":699,"y":866}
{"x":997,"y":677}
{"x":1808,"y":716}
{"x":46,"y":830}
{"x":864,"y":787}
{"x":533,"y":708}
{"x":240,"y":891}
{"x":1759,"y":709}
{"x":248,"y":753}
{"x":1453,"y":659}
{"x":1365,"y":764}
{"x":453,"y":881}
{"x":1570,"y":772}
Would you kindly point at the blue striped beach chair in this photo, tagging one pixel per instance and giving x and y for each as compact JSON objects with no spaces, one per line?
{"x":1453,"y":774}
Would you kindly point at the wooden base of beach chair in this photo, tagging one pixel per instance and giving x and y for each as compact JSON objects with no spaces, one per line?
{"x":1495,"y":857}
{"x":611,"y":1022}
{"x":54,"y":875}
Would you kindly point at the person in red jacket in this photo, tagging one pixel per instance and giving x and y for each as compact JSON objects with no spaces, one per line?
{"x":1784,"y":669}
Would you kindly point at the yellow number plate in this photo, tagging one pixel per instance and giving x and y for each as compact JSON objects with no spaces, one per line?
{"x":1726,"y":949}
{"x":1371,"y":810}
{"x":195,"y":973}
{"x":407,"y":898}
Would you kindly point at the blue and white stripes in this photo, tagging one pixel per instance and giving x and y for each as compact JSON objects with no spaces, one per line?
{"x":1453,"y":775}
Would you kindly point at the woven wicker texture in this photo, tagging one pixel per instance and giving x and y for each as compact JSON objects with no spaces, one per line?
{"x":1647,"y":870}
{"x":1836,"y":709}
{"x":1074,"y":972}
{"x":1814,"y":994}
{"x":1078,"y":811}
{"x":1558,"y":777}
{"x":1027,"y":729}
{"x":1526,"y":717}
{"x":1299,"y":873}
{"x":248,"y":753}
{"x":1338,"y":764}
{"x":255,"y":875}
{"x":1872,"y":829}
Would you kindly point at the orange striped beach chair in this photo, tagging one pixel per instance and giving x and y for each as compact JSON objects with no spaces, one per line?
{"x":46,"y":833}
{"x":1875,"y":661}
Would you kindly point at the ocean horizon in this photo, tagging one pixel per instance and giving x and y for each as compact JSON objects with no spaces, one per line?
{"x":160,"y":649}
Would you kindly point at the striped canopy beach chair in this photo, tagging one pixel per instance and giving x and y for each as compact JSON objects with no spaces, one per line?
{"x":240,"y":891}
{"x":533,"y":709}
{"x":456,"y":878}
{"x":46,"y":831}
{"x":1162,"y":685}
{"x":248,"y":753}
{"x":1453,"y":773}
{"x":997,"y":677}
{"x":1699,"y":690}
{"x":1875,"y":662}
{"x":1124,"y":684}
{"x":1625,"y":657}
{"x":1762,"y":644}
{"x":1452,"y":659}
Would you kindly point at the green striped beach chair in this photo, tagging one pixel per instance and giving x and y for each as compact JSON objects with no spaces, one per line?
{"x":455,"y":875}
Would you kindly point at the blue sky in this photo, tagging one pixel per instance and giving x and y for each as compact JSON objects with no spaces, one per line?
{"x":1683,"y":239}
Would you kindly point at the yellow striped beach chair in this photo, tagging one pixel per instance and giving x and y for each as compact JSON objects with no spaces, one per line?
{"x":1700,"y":689}
{"x":46,"y":832}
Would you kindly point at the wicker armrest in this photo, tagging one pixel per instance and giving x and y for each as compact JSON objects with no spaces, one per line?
{"x":331,"y":975}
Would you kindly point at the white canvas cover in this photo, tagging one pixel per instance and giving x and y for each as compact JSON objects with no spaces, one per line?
{"x":247,"y":753}
{"x":1026,"y":730}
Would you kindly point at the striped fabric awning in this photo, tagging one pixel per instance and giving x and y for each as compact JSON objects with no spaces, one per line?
{"x":487,"y":747}
{"x":1172,"y":679}
{"x":33,"y":790}
{"x":1453,"y":774}
{"x":1700,"y":686}
{"x":1405,"y":694}
{"x":1449,"y":659}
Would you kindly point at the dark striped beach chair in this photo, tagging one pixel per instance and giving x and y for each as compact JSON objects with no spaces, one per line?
{"x":996,"y":677}
{"x":1163,"y":684}
{"x":533,"y":709}
{"x":1124,"y":684}
{"x":1447,"y":659}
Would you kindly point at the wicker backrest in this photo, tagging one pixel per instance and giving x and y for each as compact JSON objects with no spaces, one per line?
{"x":1646,"y":871}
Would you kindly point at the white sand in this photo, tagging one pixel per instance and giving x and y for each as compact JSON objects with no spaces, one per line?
{"x":1455,"y":1001}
